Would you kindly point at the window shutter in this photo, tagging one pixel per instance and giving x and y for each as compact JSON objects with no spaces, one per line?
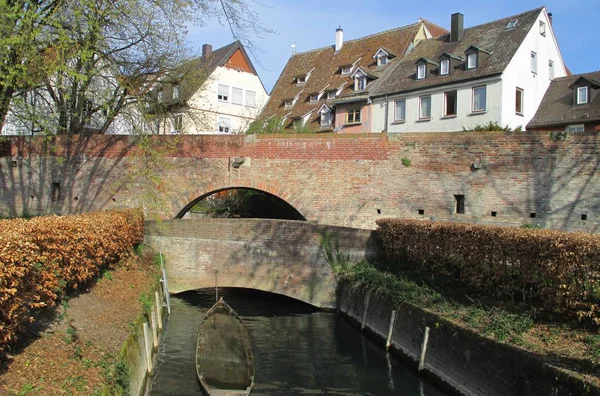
{"x":237,"y":96}
{"x":250,"y":98}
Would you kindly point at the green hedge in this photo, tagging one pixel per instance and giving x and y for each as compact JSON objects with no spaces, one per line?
{"x":553,"y":271}
{"x":42,"y":258}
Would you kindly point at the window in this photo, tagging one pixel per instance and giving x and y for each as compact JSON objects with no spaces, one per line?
{"x":360,"y":83}
{"x":326,"y":118}
{"x":353,"y":116}
{"x":55,"y":192}
{"x":582,"y":95}
{"x":472,"y":60}
{"x":424,"y":107}
{"x":157,"y":127}
{"x":331,"y":95}
{"x":175,"y":92}
{"x":450,"y":103}
{"x":237,"y":96}
{"x":160,"y":96}
{"x":400,"y":110}
{"x":250,"y":98}
{"x":346,"y":69}
{"x":519,"y":101}
{"x":382,"y":60}
{"x":444,"y":67}
{"x":533,"y":62}
{"x":550,"y":70}
{"x":512,"y":24}
{"x":313,"y":98}
{"x":289,"y":102}
{"x":542,"y":28}
{"x":479,"y":99}
{"x":300,"y":80}
{"x":421,"y":69}
{"x":177,"y":122}
{"x":460,"y":203}
{"x":575,"y":128}
{"x":223,"y":93}
{"x":225,"y":124}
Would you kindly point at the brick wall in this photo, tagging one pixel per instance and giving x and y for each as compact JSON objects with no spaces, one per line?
{"x":277,"y":256}
{"x":348,"y":180}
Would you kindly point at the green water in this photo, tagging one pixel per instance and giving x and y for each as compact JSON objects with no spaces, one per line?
{"x":297,"y":350}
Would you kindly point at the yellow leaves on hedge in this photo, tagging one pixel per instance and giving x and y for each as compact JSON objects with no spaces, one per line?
{"x":42,"y":257}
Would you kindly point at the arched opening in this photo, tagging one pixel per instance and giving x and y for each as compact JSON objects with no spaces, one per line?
{"x":240,"y":202}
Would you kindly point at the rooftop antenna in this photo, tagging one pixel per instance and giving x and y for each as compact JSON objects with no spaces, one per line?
{"x":294,"y":48}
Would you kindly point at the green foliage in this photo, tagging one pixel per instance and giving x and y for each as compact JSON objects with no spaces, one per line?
{"x":146,"y":302}
{"x":559,"y":136}
{"x":335,"y":257}
{"x":498,"y":323}
{"x":300,"y":127}
{"x":272,"y":125}
{"x":530,"y":226}
{"x":406,"y":162}
{"x":492,"y":126}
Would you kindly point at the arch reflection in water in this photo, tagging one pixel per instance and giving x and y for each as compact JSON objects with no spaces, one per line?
{"x":297,"y":350}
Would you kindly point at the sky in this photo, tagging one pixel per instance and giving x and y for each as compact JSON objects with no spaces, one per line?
{"x":311,"y":24}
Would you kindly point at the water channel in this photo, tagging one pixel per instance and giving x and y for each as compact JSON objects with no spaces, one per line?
{"x":298,"y":350}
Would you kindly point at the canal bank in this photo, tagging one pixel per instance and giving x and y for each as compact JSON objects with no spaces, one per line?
{"x":456,"y":357}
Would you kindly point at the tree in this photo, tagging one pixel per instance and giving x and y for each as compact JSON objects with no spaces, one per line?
{"x":71,"y":65}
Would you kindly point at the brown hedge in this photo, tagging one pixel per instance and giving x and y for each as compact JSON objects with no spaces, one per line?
{"x":554,"y":271}
{"x":42,"y":258}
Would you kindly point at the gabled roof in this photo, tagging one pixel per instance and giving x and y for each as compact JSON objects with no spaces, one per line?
{"x":493,"y":37}
{"x":591,"y":81}
{"x":557,"y":106}
{"x":327,"y":63}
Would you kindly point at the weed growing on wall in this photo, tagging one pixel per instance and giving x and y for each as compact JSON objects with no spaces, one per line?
{"x":335,"y":257}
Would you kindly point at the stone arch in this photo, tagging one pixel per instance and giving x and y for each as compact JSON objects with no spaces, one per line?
{"x":286,"y":193}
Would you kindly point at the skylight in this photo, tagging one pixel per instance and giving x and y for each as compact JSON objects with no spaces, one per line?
{"x":512,"y":24}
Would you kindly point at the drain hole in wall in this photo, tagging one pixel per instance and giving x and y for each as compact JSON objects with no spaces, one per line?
{"x":421,"y":211}
{"x":494,"y":214}
{"x":532,"y":215}
{"x":114,"y":199}
{"x":583,"y":217}
{"x":76,"y":198}
{"x":378,"y":211}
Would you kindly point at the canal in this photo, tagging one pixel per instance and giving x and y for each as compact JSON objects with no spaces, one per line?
{"x":298,"y":350}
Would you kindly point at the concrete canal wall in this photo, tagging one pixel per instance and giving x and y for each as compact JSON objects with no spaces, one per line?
{"x":459,"y":358}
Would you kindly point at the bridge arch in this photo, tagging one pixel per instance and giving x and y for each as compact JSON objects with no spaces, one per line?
{"x":186,"y":200}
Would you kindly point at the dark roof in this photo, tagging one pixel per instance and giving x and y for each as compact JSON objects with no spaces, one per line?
{"x":557,"y":106}
{"x":492,"y":37}
{"x":190,"y":76}
{"x":326,"y":74}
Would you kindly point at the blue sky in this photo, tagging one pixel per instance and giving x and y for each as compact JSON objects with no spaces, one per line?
{"x":311,"y":24}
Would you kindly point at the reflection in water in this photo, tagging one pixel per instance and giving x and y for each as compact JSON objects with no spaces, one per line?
{"x":297,"y":350}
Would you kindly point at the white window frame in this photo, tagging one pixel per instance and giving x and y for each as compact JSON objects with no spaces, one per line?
{"x":444,"y":67}
{"x":421,"y":71}
{"x":326,"y":116}
{"x":382,"y":60}
{"x":301,"y":80}
{"x":521,"y":93}
{"x":289,"y":103}
{"x":250,"y":94}
{"x":221,"y":97}
{"x":224,"y":124}
{"x":241,"y":97}
{"x":421,"y":115}
{"x":446,"y":114}
{"x":177,"y":123}
{"x":534,"y":67}
{"x":576,"y":128}
{"x":512,"y":23}
{"x":473,"y":109}
{"x":346,"y":70}
{"x":583,"y":93}
{"x":331,"y":95}
{"x":472,"y":60}
{"x":360,"y":83}
{"x":550,"y":70}
{"x":396,"y":117}
{"x":313,"y":98}
{"x":355,"y":112}
{"x":543,"y":28}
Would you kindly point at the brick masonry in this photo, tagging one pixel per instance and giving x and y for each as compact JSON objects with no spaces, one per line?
{"x":457,"y":357}
{"x":277,"y":256}
{"x":346,"y":180}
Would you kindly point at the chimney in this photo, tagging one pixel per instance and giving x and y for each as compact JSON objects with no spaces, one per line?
{"x":339,"y":38}
{"x":206,"y":51}
{"x":456,"y":27}
{"x":550,"y":18}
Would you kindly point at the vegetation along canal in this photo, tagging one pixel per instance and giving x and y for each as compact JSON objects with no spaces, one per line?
{"x":298,"y":350}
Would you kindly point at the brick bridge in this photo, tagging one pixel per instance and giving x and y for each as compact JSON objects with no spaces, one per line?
{"x":277,"y":256}
{"x":344,"y":180}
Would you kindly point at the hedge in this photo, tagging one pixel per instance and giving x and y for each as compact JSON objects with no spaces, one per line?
{"x":554,"y":271}
{"x":43,"y":258}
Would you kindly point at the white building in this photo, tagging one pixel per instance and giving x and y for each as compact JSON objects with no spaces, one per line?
{"x":220,"y":92}
{"x":495,"y":72}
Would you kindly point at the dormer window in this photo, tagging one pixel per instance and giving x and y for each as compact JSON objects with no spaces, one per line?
{"x":472,"y":60}
{"x":288,"y":103}
{"x":300,"y":80}
{"x":512,"y":24}
{"x":360,"y":83}
{"x":444,"y":67}
{"x":421,"y":70}
{"x":382,"y":60}
{"x":330,"y":95}
{"x":542,"y":28}
{"x":313,"y":98}
{"x":326,"y":117}
{"x":345,"y":69}
{"x":582,"y":95}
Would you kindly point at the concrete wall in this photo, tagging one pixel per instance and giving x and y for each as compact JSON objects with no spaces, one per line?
{"x":460,"y":359}
{"x":277,"y":256}
{"x":346,"y":180}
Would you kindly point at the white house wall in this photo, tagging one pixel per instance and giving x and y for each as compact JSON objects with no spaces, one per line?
{"x":518,"y":73}
{"x":438,"y":123}
{"x":205,"y":108}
